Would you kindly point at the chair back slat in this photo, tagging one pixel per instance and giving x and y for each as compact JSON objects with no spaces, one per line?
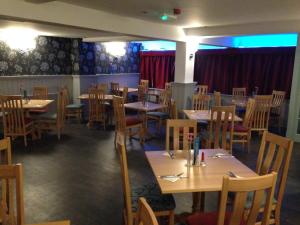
{"x":277,"y":101}
{"x":102,"y":87}
{"x":141,"y":93}
{"x":61,"y":107}
{"x":221,"y":127}
{"x":119,"y":113}
{"x":115,"y":88}
{"x":238,"y":93}
{"x":96,"y":105}
{"x":145,"y":215}
{"x":181,"y":129}
{"x":260,"y":186}
{"x":261,"y":115}
{"x":145,"y":83}
{"x":249,"y":113}
{"x":125,"y":94}
{"x":217,"y":98}
{"x":202,"y":89}
{"x":274,"y":155}
{"x":40,"y":93}
{"x":201,"y":102}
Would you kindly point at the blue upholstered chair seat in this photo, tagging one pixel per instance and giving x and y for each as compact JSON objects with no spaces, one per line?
{"x":157,"y":201}
{"x":47,"y":116}
{"x":74,"y":106}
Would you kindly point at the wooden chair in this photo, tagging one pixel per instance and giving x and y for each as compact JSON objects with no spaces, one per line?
{"x":220,"y":128}
{"x":238,"y":93}
{"x":72,"y":109}
{"x":173,"y":110}
{"x":263,"y":188}
{"x":97,"y":107}
{"x":145,"y":83}
{"x":12,"y":202}
{"x":277,"y":103}
{"x":142,"y":93}
{"x":145,"y":215}
{"x":217,"y":98}
{"x":54,"y":121}
{"x":261,"y":115}
{"x":115,"y":88}
{"x":40,"y":93}
{"x":274,"y":156}
{"x":242,"y":131}
{"x":201,"y":102}
{"x":202,"y":89}
{"x":125,"y":94}
{"x":14,"y":121}
{"x":5,"y":151}
{"x":168,"y":87}
{"x":103,"y":87}
{"x":179,"y":129}
{"x":162,"y":205}
{"x":125,"y":124}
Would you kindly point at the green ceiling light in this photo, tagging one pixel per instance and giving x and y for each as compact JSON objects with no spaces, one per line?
{"x":164,"y":17}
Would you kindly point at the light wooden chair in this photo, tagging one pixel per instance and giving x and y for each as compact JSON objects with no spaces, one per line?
{"x":12,"y":202}
{"x":242,"y":131}
{"x":276,"y":110}
{"x":173,"y":110}
{"x":162,"y":205}
{"x":145,"y":215}
{"x":202,"y":89}
{"x":5,"y":151}
{"x":261,"y":115}
{"x":115,"y":88}
{"x":221,"y":128}
{"x":217,"y":98}
{"x":125,"y":94}
{"x":238,"y":93}
{"x":40,"y":93}
{"x":168,"y":87}
{"x":274,"y":156}
{"x":178,"y":130}
{"x":263,"y":188}
{"x":145,"y":83}
{"x":142,"y":93}
{"x":54,"y":121}
{"x":125,"y":124}
{"x":14,"y":121}
{"x":72,"y":109}
{"x":201,"y":102}
{"x":97,"y":107}
{"x":102,"y":87}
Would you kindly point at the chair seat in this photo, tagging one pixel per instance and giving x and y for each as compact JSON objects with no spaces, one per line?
{"x":47,"y":116}
{"x":161,"y":115}
{"x":240,"y":128}
{"x":157,"y":201}
{"x":132,"y":120}
{"x":74,"y":106}
{"x":209,"y":218}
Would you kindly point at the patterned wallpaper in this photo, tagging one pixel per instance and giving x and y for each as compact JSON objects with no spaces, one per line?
{"x":52,"y":55}
{"x":56,"y":55}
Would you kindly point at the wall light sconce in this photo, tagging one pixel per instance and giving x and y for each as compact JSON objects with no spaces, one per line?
{"x":191,"y":56}
{"x":19,"y":38}
{"x":115,"y":48}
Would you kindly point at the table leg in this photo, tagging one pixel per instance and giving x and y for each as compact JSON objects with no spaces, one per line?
{"x":198,"y":201}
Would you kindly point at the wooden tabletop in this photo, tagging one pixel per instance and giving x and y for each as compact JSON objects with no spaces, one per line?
{"x":36,"y":103}
{"x":202,"y":179}
{"x":130,"y":90}
{"x":204,"y":115}
{"x":64,"y":222}
{"x":86,"y":97}
{"x":148,"y":106}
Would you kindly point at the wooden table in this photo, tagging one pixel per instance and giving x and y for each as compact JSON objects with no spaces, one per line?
{"x":202,"y":179}
{"x":86,"y":97}
{"x":36,"y":103}
{"x":148,"y":106}
{"x":204,"y":115}
{"x":130,"y":90}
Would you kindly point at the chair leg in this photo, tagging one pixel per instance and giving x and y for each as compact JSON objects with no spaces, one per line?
{"x":277,"y":215}
{"x":171,"y":217}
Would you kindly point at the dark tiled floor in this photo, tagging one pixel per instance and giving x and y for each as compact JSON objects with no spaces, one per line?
{"x":78,"y":178}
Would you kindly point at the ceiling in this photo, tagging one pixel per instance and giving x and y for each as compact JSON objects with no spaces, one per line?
{"x":200,"y":12}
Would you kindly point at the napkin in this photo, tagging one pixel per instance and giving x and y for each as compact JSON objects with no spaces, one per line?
{"x":171,"y":179}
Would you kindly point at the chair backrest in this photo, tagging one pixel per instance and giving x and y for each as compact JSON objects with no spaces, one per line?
{"x":181,"y":130}
{"x":277,"y":101}
{"x":221,"y":127}
{"x":168,"y":86}
{"x":115,"y":88}
{"x":13,"y":119}
{"x":125,"y":178}
{"x":239,"y":92}
{"x":40,"y":93}
{"x":141,"y":93}
{"x":274,"y":155}
{"x":173,"y":109}
{"x":261,"y":115}
{"x":61,"y":107}
{"x":103,"y":87}
{"x":96,"y":105}
{"x":125,"y":94}
{"x":145,"y":215}
{"x":5,"y":151}
{"x":201,"y":102}
{"x":119,"y":113}
{"x":12,"y":202}
{"x":202,"y":89}
{"x":263,"y":188}
{"x":249,"y":113}
{"x":217,"y":98}
{"x":145,"y":83}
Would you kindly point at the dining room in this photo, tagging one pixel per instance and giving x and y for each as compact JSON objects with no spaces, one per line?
{"x":191,"y":121}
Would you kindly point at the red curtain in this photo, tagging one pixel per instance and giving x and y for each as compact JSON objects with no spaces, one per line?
{"x":157,"y":67}
{"x":267,"y":68}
